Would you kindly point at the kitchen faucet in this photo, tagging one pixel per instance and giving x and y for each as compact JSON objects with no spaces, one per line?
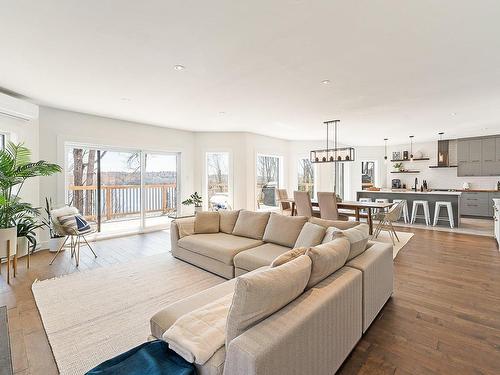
{"x":416,"y":183}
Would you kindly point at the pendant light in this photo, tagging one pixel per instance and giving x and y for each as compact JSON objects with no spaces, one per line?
{"x":411,"y":147}
{"x":385,"y":155}
{"x":333,"y":154}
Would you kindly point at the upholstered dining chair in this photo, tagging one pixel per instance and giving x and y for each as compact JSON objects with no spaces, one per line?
{"x":328,"y":209}
{"x":286,"y":207}
{"x":303,"y":205}
{"x":68,"y":222}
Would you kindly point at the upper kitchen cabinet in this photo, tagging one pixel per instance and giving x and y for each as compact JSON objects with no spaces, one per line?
{"x":478,"y":156}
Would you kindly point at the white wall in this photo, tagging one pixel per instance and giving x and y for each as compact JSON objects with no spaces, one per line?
{"x":437,"y":178}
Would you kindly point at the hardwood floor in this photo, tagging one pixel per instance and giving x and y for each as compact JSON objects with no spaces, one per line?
{"x":444,"y":316}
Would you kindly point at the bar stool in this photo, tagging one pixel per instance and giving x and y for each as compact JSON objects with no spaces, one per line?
{"x":406,"y":216}
{"x":364,"y":200}
{"x":381,"y":200}
{"x":426,"y":216}
{"x":440,"y":205}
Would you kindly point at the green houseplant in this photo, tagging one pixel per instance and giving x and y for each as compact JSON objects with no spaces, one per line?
{"x":194,"y":199}
{"x":16,"y":168}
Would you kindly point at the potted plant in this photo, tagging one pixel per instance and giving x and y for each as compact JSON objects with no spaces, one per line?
{"x":194,"y":199}
{"x":56,"y":240}
{"x":27,"y":225}
{"x":15,"y":168}
{"x":399,"y":167}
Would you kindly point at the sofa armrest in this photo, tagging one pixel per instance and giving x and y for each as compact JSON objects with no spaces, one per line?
{"x":180,"y":228}
{"x":311,"y":335}
{"x":376,"y":264}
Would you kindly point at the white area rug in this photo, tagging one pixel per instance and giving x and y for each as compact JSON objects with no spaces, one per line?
{"x":404,"y":237}
{"x":92,"y":316}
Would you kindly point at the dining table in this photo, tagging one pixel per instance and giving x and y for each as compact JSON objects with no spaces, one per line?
{"x":360,"y":209}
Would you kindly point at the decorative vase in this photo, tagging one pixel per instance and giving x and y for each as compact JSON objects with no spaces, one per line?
{"x":55,"y":244}
{"x":8,"y":234}
{"x":198,"y":209}
{"x":22,"y":246}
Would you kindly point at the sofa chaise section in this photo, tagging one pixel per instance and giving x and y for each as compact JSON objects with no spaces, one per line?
{"x":257,"y":257}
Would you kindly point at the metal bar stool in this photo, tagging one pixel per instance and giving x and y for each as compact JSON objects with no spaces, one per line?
{"x":437,"y":209}
{"x":426,"y":215}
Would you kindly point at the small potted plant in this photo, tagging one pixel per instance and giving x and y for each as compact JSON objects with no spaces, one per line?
{"x":398,"y":167}
{"x":56,"y":240}
{"x":194,"y":199}
{"x":26,"y":234}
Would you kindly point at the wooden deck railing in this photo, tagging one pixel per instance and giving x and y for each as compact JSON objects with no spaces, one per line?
{"x":123,"y":200}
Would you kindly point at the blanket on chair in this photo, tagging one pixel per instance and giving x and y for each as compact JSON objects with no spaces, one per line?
{"x":197,"y":335}
{"x":150,"y":358}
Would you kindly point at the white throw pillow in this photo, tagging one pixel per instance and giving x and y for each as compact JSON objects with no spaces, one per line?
{"x":310,"y":235}
{"x":326,"y":259}
{"x":259,"y":295}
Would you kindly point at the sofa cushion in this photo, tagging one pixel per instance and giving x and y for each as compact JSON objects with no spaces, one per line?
{"x":341,"y":224}
{"x":259,"y":295}
{"x":358,"y":238}
{"x":227,"y":220}
{"x":219,"y":246}
{"x":185,"y":226}
{"x":283,"y":230}
{"x":206,"y":222}
{"x":310,"y":235}
{"x":259,"y":256}
{"x":326,"y":259}
{"x":251,"y":224}
{"x":288,"y":256}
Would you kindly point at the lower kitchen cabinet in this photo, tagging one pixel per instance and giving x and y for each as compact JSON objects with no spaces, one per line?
{"x":478,"y":204}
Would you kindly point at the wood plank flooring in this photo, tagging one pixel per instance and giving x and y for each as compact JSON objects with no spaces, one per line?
{"x":444,"y":316}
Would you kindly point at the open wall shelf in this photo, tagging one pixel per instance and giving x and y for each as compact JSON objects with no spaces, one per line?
{"x":397,"y":160}
{"x":443,"y":166}
{"x":405,"y":172}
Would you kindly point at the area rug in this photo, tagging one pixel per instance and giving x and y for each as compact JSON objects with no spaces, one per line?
{"x":95,"y":315}
{"x":5,"y":360}
{"x":404,"y":237}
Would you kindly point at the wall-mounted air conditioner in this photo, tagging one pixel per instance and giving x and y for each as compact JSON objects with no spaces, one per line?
{"x":17,"y":108}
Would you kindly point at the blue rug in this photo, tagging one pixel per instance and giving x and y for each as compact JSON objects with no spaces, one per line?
{"x":150,"y":358}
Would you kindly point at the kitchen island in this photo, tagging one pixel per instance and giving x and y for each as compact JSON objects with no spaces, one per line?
{"x":430,"y":196}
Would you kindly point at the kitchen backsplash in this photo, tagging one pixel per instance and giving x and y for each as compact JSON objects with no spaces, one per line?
{"x":437,"y":178}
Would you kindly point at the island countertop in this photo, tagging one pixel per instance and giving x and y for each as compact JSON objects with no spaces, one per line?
{"x":401,"y":191}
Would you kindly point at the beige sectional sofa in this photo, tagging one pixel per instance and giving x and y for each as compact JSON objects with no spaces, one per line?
{"x":315,"y":332}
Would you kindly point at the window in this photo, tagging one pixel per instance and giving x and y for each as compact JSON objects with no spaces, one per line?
{"x":268,"y":180}
{"x":340,"y":176}
{"x":2,"y":141}
{"x":367,"y":174}
{"x":217,"y":180}
{"x":305,"y":176}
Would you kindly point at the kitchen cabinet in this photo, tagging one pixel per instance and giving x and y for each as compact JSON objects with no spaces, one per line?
{"x":478,"y":156}
{"x":475,"y":204}
{"x":491,"y":196}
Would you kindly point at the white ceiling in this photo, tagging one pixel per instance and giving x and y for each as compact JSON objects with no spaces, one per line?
{"x":397,"y":67}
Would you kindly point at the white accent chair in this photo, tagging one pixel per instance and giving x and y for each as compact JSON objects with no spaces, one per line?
{"x":437,"y":209}
{"x":425,"y":207}
{"x":387,"y":218}
{"x":381,"y":200}
{"x":406,"y":216}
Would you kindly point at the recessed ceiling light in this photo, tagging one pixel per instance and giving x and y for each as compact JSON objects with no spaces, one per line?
{"x":453,"y":113}
{"x":179,"y":67}
{"x":222,"y":113}
{"x":125,"y":99}
{"x":326,"y":82}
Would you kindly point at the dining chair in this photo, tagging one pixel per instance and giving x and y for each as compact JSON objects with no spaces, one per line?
{"x":328,"y":209}
{"x":303,"y":205}
{"x":286,"y":207}
{"x":386,"y":220}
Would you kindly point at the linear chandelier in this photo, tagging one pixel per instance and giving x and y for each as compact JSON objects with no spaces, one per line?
{"x":335,"y":154}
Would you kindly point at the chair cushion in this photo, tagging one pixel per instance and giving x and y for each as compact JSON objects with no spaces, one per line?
{"x":259,"y":295}
{"x":251,"y":224}
{"x":310,"y":235}
{"x":219,"y":246}
{"x":283,"y":230}
{"x":206,"y":222}
{"x":74,"y":223}
{"x":259,"y":256}
{"x":228,"y":220}
{"x":357,"y":236}
{"x":341,"y":224}
{"x":326,"y":259}
{"x":288,"y":256}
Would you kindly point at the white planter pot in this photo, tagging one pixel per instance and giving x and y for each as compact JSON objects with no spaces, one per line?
{"x":22,"y":246}
{"x":55,"y":244}
{"x":198,"y":209}
{"x":5,"y":235}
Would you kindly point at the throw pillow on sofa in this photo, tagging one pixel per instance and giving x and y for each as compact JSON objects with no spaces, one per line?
{"x":334,"y":223}
{"x":310,"y":235}
{"x":283,"y":230}
{"x":206,"y":222}
{"x":228,"y":220}
{"x":357,"y":236}
{"x":288,"y":256}
{"x":259,"y":295}
{"x":251,"y":224}
{"x":326,"y":259}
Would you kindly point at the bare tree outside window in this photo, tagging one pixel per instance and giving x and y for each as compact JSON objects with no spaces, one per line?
{"x":367,"y":174}
{"x":306,"y":176}
{"x":218,"y":179}
{"x":268,"y":176}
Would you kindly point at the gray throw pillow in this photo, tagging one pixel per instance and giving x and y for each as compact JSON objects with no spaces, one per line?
{"x":310,"y":235}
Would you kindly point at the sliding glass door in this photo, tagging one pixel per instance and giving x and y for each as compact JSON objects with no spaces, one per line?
{"x":122,"y":190}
